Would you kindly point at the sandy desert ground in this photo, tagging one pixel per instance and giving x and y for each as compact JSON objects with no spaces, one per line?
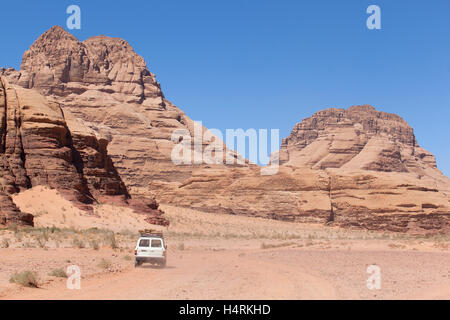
{"x":213,"y":256}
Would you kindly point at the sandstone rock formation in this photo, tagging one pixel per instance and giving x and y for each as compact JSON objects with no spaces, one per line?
{"x":38,"y":147}
{"x":107,"y":87}
{"x":357,"y":138}
{"x":348,"y":167}
{"x":356,"y":167}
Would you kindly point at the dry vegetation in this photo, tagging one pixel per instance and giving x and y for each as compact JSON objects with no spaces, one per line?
{"x":59,"y":272}
{"x":104,"y":264}
{"x":192,"y":224}
{"x":45,"y":238}
{"x":25,"y":279}
{"x":187,"y":225}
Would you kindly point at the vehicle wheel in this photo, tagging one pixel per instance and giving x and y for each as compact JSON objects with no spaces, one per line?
{"x":137,"y":263}
{"x":163,"y":263}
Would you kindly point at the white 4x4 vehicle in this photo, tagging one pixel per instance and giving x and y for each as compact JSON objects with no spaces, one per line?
{"x":150,"y":248}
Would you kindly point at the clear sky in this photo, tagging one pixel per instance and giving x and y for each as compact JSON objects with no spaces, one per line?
{"x":269,"y":64}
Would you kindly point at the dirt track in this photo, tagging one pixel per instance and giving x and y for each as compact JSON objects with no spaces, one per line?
{"x":287,"y":273}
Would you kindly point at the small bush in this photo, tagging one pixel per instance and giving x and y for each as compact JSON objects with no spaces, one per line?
{"x":45,"y":234}
{"x":60,"y":273}
{"x":105,"y":264}
{"x":78,"y":243}
{"x":18,"y":236}
{"x":41,"y":242}
{"x":13,"y":227}
{"x":5,"y":243}
{"x":53,"y":229}
{"x":94,"y":244}
{"x":128,"y":258}
{"x":111,"y":240}
{"x":25,"y":278}
{"x":28,"y":244}
{"x":129,"y":234}
{"x":276,"y":245}
{"x":181,"y":246}
{"x":396,"y":246}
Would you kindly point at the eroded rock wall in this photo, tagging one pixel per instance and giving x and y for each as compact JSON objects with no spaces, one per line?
{"x":39,"y":147}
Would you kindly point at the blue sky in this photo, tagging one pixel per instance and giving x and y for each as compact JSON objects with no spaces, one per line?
{"x":269,"y":64}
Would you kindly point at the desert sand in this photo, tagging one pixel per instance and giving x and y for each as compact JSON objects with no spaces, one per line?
{"x":216,"y":256}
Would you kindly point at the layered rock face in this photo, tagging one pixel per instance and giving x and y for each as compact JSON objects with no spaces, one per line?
{"x":357,"y":138}
{"x":104,"y":84}
{"x":39,"y":147}
{"x":348,"y":167}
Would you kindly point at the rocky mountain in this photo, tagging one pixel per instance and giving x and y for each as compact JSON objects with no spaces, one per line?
{"x":349,"y":167}
{"x":42,"y":145}
{"x":357,"y":138}
{"x":108,"y":88}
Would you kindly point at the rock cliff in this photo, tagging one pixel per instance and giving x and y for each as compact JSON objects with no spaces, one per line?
{"x":357,"y":138}
{"x":108,"y":87}
{"x":39,"y":147}
{"x":348,"y":167}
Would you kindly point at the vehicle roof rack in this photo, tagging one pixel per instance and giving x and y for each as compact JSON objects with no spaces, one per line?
{"x":150,"y":233}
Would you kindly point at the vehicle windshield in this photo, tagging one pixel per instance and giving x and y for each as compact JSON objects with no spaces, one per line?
{"x":156,"y":243}
{"x":144,"y":243}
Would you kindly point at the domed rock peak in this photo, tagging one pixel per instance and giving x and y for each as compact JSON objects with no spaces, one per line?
{"x":58,"y":64}
{"x":359,"y":137}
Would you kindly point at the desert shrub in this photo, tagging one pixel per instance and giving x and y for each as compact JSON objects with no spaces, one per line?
{"x":18,"y":236}
{"x":276,"y":245}
{"x":54,"y":229}
{"x":78,"y":243}
{"x":111,"y":240}
{"x":28,"y":244}
{"x":181,"y":246}
{"x":41,"y":242}
{"x":59,"y":272}
{"x":127,"y":258}
{"x":5,"y":243}
{"x":104,"y":264}
{"x":94,"y":244}
{"x":25,"y":278}
{"x":45,"y":234}
{"x":13,"y":227}
{"x":129,"y":233}
{"x":395,"y":246}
